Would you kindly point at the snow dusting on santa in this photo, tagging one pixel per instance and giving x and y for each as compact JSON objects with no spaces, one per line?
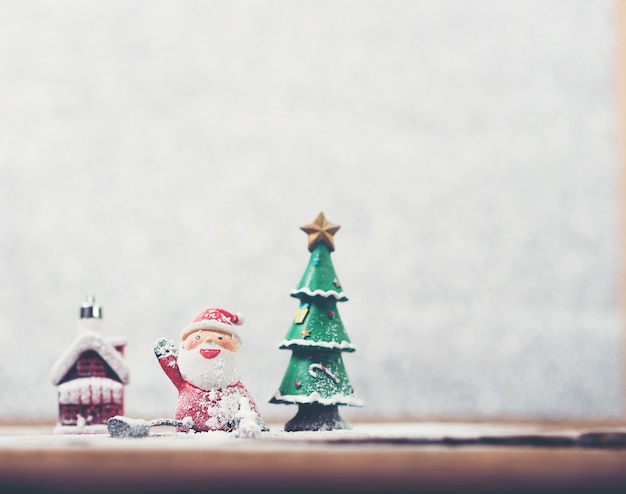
{"x":206,"y":371}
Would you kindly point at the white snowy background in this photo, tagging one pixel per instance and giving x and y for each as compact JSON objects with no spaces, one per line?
{"x":163,"y":155}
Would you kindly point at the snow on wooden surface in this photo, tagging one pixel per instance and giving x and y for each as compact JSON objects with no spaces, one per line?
{"x":402,"y":433}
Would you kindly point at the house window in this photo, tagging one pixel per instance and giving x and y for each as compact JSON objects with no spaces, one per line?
{"x":90,"y":367}
{"x":92,"y":415}
{"x":111,"y":410}
{"x":68,"y":414}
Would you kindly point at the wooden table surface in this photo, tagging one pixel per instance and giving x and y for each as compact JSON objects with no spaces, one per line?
{"x":453,"y":458}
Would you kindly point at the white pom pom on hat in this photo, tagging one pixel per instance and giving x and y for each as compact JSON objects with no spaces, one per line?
{"x":218,"y":319}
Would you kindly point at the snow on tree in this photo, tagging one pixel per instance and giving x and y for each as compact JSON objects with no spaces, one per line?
{"x":316,"y":379}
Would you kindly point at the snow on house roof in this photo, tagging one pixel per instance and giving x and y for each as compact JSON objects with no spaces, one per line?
{"x":91,"y":390}
{"x":90,"y":340}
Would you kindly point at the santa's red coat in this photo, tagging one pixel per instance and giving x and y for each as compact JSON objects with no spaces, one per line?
{"x":210,"y":410}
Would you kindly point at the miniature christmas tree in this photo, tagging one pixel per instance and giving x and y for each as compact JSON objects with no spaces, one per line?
{"x":316,"y":379}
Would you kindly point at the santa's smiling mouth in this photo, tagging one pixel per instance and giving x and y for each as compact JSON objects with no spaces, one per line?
{"x":209,"y":352}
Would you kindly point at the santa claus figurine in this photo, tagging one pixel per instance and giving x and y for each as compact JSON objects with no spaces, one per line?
{"x":206,"y":372}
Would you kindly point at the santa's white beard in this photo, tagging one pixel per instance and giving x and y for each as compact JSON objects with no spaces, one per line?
{"x":214,"y":373}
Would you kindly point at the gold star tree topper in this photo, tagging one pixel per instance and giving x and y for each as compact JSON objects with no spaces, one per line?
{"x":321,"y":230}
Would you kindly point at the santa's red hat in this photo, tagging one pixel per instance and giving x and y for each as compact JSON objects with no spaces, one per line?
{"x":214,"y":319}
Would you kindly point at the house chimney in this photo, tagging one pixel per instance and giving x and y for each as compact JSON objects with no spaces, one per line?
{"x":90,"y":315}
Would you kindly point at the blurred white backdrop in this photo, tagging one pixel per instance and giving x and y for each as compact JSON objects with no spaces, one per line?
{"x":162,"y":155}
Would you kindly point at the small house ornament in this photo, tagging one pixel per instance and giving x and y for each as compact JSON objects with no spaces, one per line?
{"x":90,"y":376}
{"x":316,"y":379}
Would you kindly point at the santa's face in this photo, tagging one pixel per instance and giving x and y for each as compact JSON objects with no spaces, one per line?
{"x":209,"y":359}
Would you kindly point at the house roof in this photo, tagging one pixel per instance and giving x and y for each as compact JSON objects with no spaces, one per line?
{"x":90,"y":340}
